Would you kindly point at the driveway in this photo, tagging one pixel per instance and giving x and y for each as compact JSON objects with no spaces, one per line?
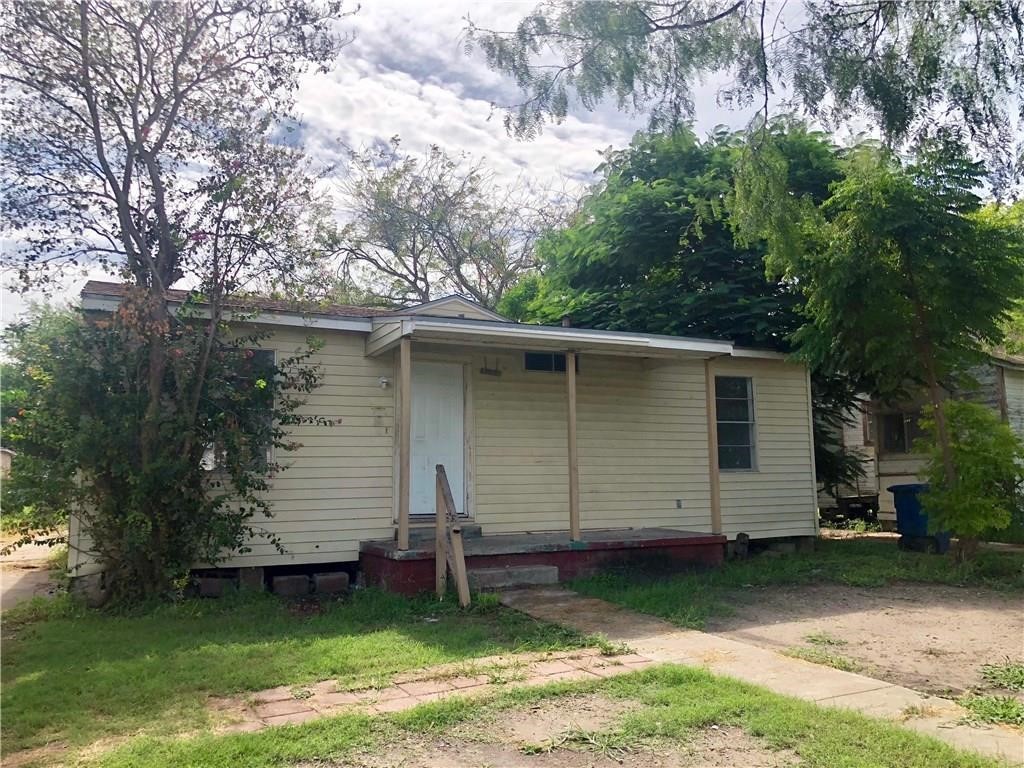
{"x":25,"y":574}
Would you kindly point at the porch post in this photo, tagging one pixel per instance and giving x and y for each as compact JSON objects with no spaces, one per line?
{"x":574,"y":469}
{"x":711,"y":406}
{"x":404,"y":439}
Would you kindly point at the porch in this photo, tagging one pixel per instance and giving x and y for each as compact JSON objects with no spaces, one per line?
{"x":411,"y":570}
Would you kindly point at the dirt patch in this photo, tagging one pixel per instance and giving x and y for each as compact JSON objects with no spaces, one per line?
{"x":927,"y":637}
{"x":572,"y":732}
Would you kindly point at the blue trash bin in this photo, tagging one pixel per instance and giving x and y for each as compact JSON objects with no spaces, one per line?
{"x":912,"y":520}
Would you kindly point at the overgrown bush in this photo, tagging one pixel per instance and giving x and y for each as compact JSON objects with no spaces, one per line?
{"x":153,"y":505}
{"x":989,"y":461}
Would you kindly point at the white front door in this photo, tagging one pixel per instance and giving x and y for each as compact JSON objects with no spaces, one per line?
{"x":438,"y":410}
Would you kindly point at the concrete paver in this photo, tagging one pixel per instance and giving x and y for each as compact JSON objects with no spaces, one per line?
{"x":659,"y":641}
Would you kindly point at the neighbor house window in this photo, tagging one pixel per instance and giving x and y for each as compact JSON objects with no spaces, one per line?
{"x":734,"y":401}
{"x":899,"y":431}
{"x":552,"y":362}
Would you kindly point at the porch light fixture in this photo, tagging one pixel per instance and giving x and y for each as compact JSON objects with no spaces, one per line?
{"x":384,"y":382}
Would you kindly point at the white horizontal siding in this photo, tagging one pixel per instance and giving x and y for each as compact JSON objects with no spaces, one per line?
{"x":779,"y":498}
{"x":337,"y":488}
{"x":1015,"y":399}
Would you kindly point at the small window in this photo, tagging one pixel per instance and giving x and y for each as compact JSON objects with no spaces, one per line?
{"x":255,"y":366}
{"x":552,"y":362}
{"x":868,"y":423}
{"x":899,"y":431}
{"x":734,"y":401}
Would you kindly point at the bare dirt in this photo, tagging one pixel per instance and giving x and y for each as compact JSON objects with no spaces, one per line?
{"x":548,"y":736}
{"x":931,"y":638}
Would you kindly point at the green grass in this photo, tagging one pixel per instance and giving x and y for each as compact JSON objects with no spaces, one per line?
{"x":673,"y":703}
{"x":77,"y":675}
{"x":689,"y":599}
{"x":824,"y":638}
{"x":817,"y":655}
{"x":1008,"y":675}
{"x":993,"y":709}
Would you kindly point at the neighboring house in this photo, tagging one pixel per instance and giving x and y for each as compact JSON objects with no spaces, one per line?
{"x":501,"y":405}
{"x":6,"y":456}
{"x":885,"y":433}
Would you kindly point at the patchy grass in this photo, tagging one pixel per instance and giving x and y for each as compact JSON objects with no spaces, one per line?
{"x":675,"y":703}
{"x":824,"y":639}
{"x":76,"y":675}
{"x":689,"y":599}
{"x":817,"y":655}
{"x":993,"y":709}
{"x":1008,"y":675}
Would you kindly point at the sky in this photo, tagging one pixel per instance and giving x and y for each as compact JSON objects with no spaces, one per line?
{"x":406,"y":73}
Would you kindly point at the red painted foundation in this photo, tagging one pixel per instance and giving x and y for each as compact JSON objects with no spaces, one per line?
{"x":412,"y":571}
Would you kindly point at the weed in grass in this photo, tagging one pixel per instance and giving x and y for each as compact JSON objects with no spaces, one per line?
{"x":503,"y":674}
{"x":824,"y":638}
{"x":301,"y":693}
{"x":608,"y":647}
{"x":613,"y":745}
{"x":993,"y":709}
{"x":1008,"y":675}
{"x":821,"y":656}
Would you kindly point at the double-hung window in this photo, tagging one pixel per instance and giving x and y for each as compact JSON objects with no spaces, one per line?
{"x":734,"y":402}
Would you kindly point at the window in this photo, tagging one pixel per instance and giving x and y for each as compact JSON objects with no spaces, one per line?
{"x":899,"y":431}
{"x":868,"y":423}
{"x":734,"y":401}
{"x":552,"y":362}
{"x":256,"y":403}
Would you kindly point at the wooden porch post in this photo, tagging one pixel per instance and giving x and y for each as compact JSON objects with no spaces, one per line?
{"x":404,"y":439}
{"x":574,"y":468}
{"x":711,"y":406}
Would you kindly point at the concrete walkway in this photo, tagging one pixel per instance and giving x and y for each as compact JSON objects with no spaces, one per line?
{"x":659,"y":641}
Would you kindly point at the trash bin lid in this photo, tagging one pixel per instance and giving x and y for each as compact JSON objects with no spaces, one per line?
{"x":908,"y":488}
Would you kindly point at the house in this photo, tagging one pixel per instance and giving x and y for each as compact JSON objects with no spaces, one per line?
{"x":563,"y":446}
{"x":884,"y":433}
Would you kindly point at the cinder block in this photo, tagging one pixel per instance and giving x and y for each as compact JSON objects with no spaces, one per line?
{"x":295,"y":585}
{"x":806,"y":544}
{"x":213,"y":586}
{"x":330,"y":583}
{"x":250,"y":579}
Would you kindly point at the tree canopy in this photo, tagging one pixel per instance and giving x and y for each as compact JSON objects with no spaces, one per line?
{"x":910,"y":68}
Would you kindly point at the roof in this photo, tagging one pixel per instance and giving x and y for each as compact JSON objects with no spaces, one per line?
{"x":118,"y":290}
{"x":386,"y":327}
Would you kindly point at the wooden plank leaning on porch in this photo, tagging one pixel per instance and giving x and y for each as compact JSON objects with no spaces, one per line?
{"x":711,"y":406}
{"x":447,"y":527}
{"x":404,"y":439}
{"x":574,"y":466}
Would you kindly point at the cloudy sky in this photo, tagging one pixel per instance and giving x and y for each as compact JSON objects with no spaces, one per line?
{"x":406,"y":73}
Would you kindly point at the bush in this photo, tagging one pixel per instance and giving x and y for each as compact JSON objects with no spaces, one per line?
{"x":989,"y":461}
{"x":155,"y":492}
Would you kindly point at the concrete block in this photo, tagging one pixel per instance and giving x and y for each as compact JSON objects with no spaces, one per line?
{"x":516,"y":576}
{"x":250,"y":579}
{"x":213,"y":586}
{"x":330,"y":582}
{"x":295,"y":585}
{"x":806,"y":544}
{"x":89,"y":588}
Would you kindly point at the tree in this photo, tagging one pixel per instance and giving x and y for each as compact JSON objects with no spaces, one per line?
{"x":908,"y":280}
{"x":421,"y":227}
{"x":149,"y":138}
{"x":909,"y":67}
{"x":652,"y":250}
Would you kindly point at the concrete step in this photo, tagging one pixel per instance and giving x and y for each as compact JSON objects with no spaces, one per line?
{"x":513,"y":576}
{"x":422,"y":535}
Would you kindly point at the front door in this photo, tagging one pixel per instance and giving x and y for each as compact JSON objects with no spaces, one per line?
{"x":438,"y":411}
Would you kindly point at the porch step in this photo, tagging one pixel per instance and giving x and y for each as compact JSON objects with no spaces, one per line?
{"x":513,"y":576}
{"x":422,"y":535}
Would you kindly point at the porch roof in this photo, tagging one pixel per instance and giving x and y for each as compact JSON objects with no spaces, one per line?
{"x":388,"y":332}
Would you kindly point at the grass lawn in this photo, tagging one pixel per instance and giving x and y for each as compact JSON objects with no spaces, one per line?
{"x":674,"y":702}
{"x":689,"y":599}
{"x":76,"y":676}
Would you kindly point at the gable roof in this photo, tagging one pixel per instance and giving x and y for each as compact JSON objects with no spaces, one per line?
{"x":453,"y":306}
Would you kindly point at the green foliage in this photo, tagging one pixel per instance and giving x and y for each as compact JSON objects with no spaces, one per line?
{"x":1008,"y":675}
{"x":78,"y":433}
{"x":989,"y":458}
{"x":911,"y":69}
{"x":993,"y":709}
{"x":826,"y":658}
{"x":652,"y":249}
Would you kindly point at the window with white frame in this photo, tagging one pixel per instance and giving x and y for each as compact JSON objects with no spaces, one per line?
{"x":734,"y":402}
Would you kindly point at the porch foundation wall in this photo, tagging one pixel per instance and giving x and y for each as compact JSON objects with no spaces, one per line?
{"x":412,"y":575}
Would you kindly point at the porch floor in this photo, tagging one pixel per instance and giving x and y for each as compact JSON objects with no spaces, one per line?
{"x":412,"y":570}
